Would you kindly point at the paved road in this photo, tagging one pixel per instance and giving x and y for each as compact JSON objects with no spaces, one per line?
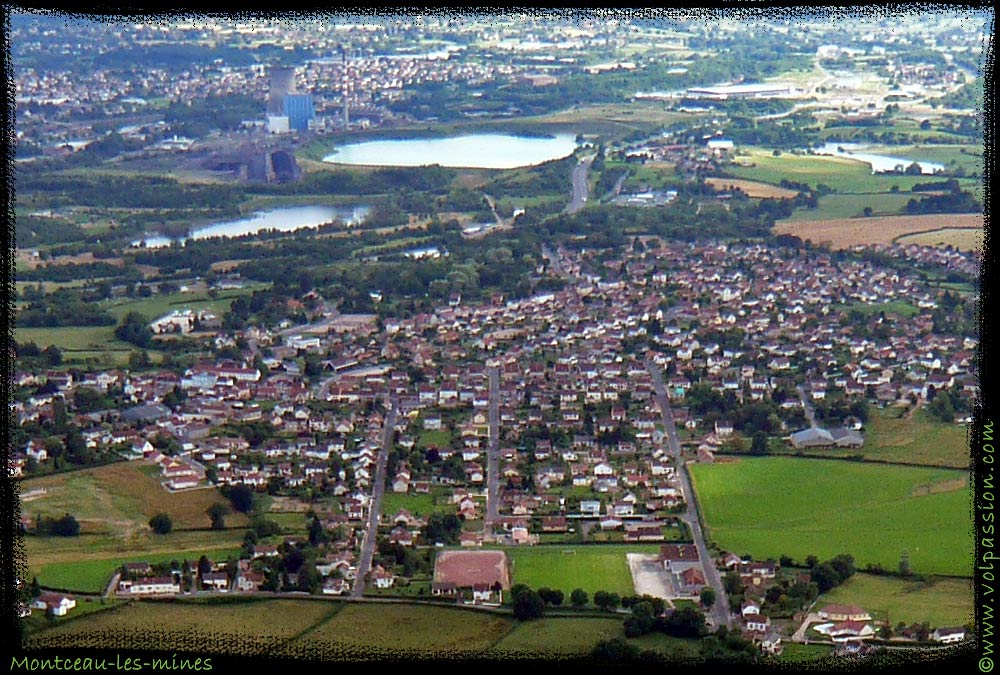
{"x":493,"y":453}
{"x":806,"y":406}
{"x":720,"y":612}
{"x":579,"y":185}
{"x":371,"y":532}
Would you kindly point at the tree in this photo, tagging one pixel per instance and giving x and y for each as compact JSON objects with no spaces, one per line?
{"x":317,"y":535}
{"x":825,"y":577}
{"x":528,"y":605}
{"x":578,"y":598}
{"x":707,"y":597}
{"x":942,"y":408}
{"x":218,"y":512}
{"x":67,"y":526}
{"x":758,"y":446}
{"x":685,"y":622}
{"x":641,"y":620}
{"x":242,"y":498}
{"x":161,"y":523}
{"x":601,"y":599}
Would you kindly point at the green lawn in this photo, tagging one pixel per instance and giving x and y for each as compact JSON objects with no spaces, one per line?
{"x":593,"y":568}
{"x":795,"y":652}
{"x":943,"y":602}
{"x":851,"y":205}
{"x":418,"y":505}
{"x":775,"y":506}
{"x":441,"y":438}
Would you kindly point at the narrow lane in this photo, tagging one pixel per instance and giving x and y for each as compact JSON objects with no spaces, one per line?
{"x":720,"y":612}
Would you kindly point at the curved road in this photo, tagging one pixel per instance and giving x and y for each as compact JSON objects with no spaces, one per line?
{"x":719,"y":613}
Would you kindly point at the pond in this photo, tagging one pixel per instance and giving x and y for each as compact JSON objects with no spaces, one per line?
{"x":284,"y":219}
{"x":475,"y":151}
{"x":878,"y":163}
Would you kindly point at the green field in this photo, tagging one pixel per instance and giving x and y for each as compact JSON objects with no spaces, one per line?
{"x":417,"y":505}
{"x":842,"y":175}
{"x":852,"y":205}
{"x":593,"y":568}
{"x":919,"y":440}
{"x":795,"y":652}
{"x":441,"y":438}
{"x":942,"y":603}
{"x":559,"y":635}
{"x":777,"y":506}
{"x":91,"y":574}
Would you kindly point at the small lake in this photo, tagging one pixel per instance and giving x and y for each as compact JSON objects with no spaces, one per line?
{"x":284,"y":219}
{"x":879,"y":163}
{"x":475,"y":151}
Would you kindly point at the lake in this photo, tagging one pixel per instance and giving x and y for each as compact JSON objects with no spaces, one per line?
{"x":284,"y":220}
{"x":475,"y":151}
{"x":879,"y":163}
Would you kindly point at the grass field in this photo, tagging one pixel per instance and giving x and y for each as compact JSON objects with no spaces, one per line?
{"x":795,"y":652}
{"x":850,"y":206}
{"x":898,"y":307}
{"x":418,"y":505}
{"x":441,"y":438}
{"x":942,"y":603}
{"x":120,"y":498}
{"x":840,"y":174}
{"x":559,"y":635}
{"x":962,"y":239}
{"x":775,"y":506}
{"x":847,"y":232}
{"x":90,"y":573}
{"x":919,"y":440}
{"x":593,"y":568}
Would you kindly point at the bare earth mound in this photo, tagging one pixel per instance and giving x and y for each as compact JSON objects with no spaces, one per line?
{"x":847,"y":232}
{"x":469,"y":568}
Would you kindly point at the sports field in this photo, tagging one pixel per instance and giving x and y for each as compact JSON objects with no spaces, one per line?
{"x":593,"y":568}
{"x":776,"y":506}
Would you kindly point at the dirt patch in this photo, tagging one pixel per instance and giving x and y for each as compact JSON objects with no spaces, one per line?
{"x":843,"y":233}
{"x":752,"y":188}
{"x":469,"y":568}
{"x":943,"y":486}
{"x":648,"y":575}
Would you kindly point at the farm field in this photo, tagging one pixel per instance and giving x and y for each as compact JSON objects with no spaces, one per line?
{"x":852,"y":205}
{"x":245,"y":627}
{"x":776,"y":506}
{"x":964,"y":240}
{"x":795,"y":652}
{"x":844,"y":233}
{"x":559,"y":635}
{"x":406,"y":627}
{"x":120,"y":499}
{"x":840,"y":174}
{"x":592,"y":568}
{"x":919,"y":440}
{"x":943,"y":602}
{"x":752,"y":188}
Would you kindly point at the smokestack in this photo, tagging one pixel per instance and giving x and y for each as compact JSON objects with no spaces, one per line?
{"x":347,"y":116}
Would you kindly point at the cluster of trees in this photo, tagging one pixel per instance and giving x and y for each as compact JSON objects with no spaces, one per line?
{"x":443,"y":527}
{"x":67,"y":526}
{"x":34,"y":231}
{"x":134,"y":328}
{"x":960,"y":202}
{"x":117,"y":191}
{"x":63,"y":307}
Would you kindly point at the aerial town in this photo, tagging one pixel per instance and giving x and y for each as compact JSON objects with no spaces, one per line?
{"x":698,"y":385}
